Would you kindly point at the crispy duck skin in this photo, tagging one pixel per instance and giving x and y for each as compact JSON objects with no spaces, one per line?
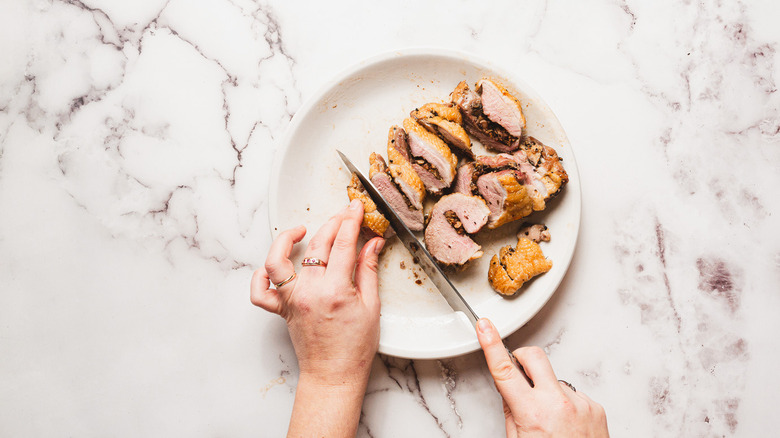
{"x":512,"y":267}
{"x":511,"y":184}
{"x":452,"y":219}
{"x":397,"y":146}
{"x":507,"y":198}
{"x":373,"y":220}
{"x":492,"y":135}
{"x":383,"y":181}
{"x":398,"y":152}
{"x":431,"y":157}
{"x":446,"y":121}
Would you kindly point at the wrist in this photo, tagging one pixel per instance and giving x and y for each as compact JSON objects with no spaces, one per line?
{"x":329,"y":406}
{"x":338,"y":379}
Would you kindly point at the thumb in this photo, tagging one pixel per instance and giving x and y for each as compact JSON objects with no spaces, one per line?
{"x":511,"y":384}
{"x":366,"y":278}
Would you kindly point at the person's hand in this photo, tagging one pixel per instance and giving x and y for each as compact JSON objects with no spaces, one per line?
{"x":333,"y":320}
{"x":549,"y":408}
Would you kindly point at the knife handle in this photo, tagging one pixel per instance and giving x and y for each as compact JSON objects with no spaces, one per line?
{"x":519,"y":367}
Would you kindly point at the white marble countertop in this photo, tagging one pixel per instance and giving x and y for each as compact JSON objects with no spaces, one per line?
{"x":135,"y":143}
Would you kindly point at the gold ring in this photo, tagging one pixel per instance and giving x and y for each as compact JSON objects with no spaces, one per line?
{"x":313,"y":261}
{"x":289,"y":279}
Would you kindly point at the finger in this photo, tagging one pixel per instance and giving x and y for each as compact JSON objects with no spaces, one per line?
{"x":511,"y":426}
{"x":277,"y":263}
{"x":537,"y":366}
{"x":343,"y":254}
{"x":366,"y":278}
{"x":320,"y":245}
{"x":509,"y":382}
{"x":261,"y":295}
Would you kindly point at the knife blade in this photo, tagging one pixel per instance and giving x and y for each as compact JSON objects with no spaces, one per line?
{"x":424,"y":259}
{"x":418,"y":251}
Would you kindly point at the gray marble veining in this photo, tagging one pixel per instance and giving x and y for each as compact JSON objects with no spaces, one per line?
{"x":136,"y":140}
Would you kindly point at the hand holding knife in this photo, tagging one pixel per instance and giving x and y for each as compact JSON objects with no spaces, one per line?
{"x":417,"y":249}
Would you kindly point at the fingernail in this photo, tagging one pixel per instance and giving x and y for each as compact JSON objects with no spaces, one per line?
{"x":484,"y":325}
{"x":378,"y":246}
{"x":354,"y":204}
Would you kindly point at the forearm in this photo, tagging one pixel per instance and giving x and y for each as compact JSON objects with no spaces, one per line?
{"x":326,"y":410}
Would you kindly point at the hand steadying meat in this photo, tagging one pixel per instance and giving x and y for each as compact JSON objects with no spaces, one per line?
{"x":334,"y":327}
{"x":333,"y":322}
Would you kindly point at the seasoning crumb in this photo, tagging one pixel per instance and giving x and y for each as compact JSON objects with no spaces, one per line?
{"x":418,"y":282}
{"x":416,"y":261}
{"x":403,"y":265}
{"x":307,"y":208}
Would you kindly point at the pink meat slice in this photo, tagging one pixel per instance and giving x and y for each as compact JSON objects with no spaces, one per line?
{"x":476,"y":122}
{"x":433,"y":184}
{"x":420,"y":148}
{"x":493,"y":192}
{"x":444,"y":243}
{"x":501,"y":108}
{"x":412,"y":218}
{"x":463,"y":179}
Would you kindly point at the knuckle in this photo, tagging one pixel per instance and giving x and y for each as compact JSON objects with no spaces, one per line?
{"x":352,"y":220}
{"x":372,"y":263}
{"x":533,"y":353}
{"x":507,"y":411}
{"x":316,"y":243}
{"x":342,"y":244}
{"x":257,"y":273}
{"x":502,"y":371}
{"x":272,"y":265}
{"x":256,"y":280}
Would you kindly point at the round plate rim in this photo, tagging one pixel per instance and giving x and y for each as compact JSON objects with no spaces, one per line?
{"x":505,"y":328}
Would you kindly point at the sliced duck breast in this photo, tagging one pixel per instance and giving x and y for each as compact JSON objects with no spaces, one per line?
{"x":380,"y":176}
{"x":373,"y":220}
{"x":431,"y":157}
{"x":446,"y":121}
{"x":507,"y":198}
{"x":400,"y":168}
{"x":492,"y":135}
{"x":552,"y":173}
{"x":464,"y":180}
{"x":452,"y":218}
{"x":397,"y":146}
{"x":543,"y":167}
{"x":501,"y":107}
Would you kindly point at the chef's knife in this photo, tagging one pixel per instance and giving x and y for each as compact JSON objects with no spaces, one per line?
{"x":418,"y":251}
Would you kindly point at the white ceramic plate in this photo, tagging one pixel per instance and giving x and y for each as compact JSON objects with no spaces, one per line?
{"x":353,"y":113}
